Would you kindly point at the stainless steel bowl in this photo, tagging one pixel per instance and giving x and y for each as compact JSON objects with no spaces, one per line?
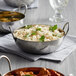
{"x":4,"y":26}
{"x":41,"y":47}
{"x":16,"y":3}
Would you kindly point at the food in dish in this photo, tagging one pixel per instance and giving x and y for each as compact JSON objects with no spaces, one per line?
{"x":39,"y":33}
{"x":7,"y":16}
{"x":41,"y":72}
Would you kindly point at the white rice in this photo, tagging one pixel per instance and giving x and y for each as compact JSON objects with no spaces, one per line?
{"x":26,"y":34}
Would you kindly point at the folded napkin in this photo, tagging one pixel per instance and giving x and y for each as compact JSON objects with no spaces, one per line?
{"x":5,"y":7}
{"x":7,"y":44}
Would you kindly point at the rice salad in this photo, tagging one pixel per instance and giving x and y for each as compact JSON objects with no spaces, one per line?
{"x":39,"y":33}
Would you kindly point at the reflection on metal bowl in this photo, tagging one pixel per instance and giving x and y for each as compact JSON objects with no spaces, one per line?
{"x":16,"y":3}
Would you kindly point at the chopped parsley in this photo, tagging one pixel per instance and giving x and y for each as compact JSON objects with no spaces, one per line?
{"x":27,"y":27}
{"x":42,"y":38}
{"x":38,"y":29}
{"x":52,"y":28}
{"x":34,"y":33}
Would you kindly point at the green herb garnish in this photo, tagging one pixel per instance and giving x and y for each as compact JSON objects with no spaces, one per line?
{"x":27,"y":35}
{"x":27,"y":27}
{"x":42,"y":38}
{"x":52,"y":28}
{"x":27,"y":75}
{"x":38,"y":29}
{"x":34,"y":33}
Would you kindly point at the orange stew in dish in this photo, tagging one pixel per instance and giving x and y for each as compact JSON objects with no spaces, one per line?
{"x":41,"y":72}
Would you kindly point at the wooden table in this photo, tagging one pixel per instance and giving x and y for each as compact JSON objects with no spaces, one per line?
{"x":41,"y":15}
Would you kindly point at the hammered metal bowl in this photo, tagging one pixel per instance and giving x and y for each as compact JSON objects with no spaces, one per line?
{"x":41,"y":47}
